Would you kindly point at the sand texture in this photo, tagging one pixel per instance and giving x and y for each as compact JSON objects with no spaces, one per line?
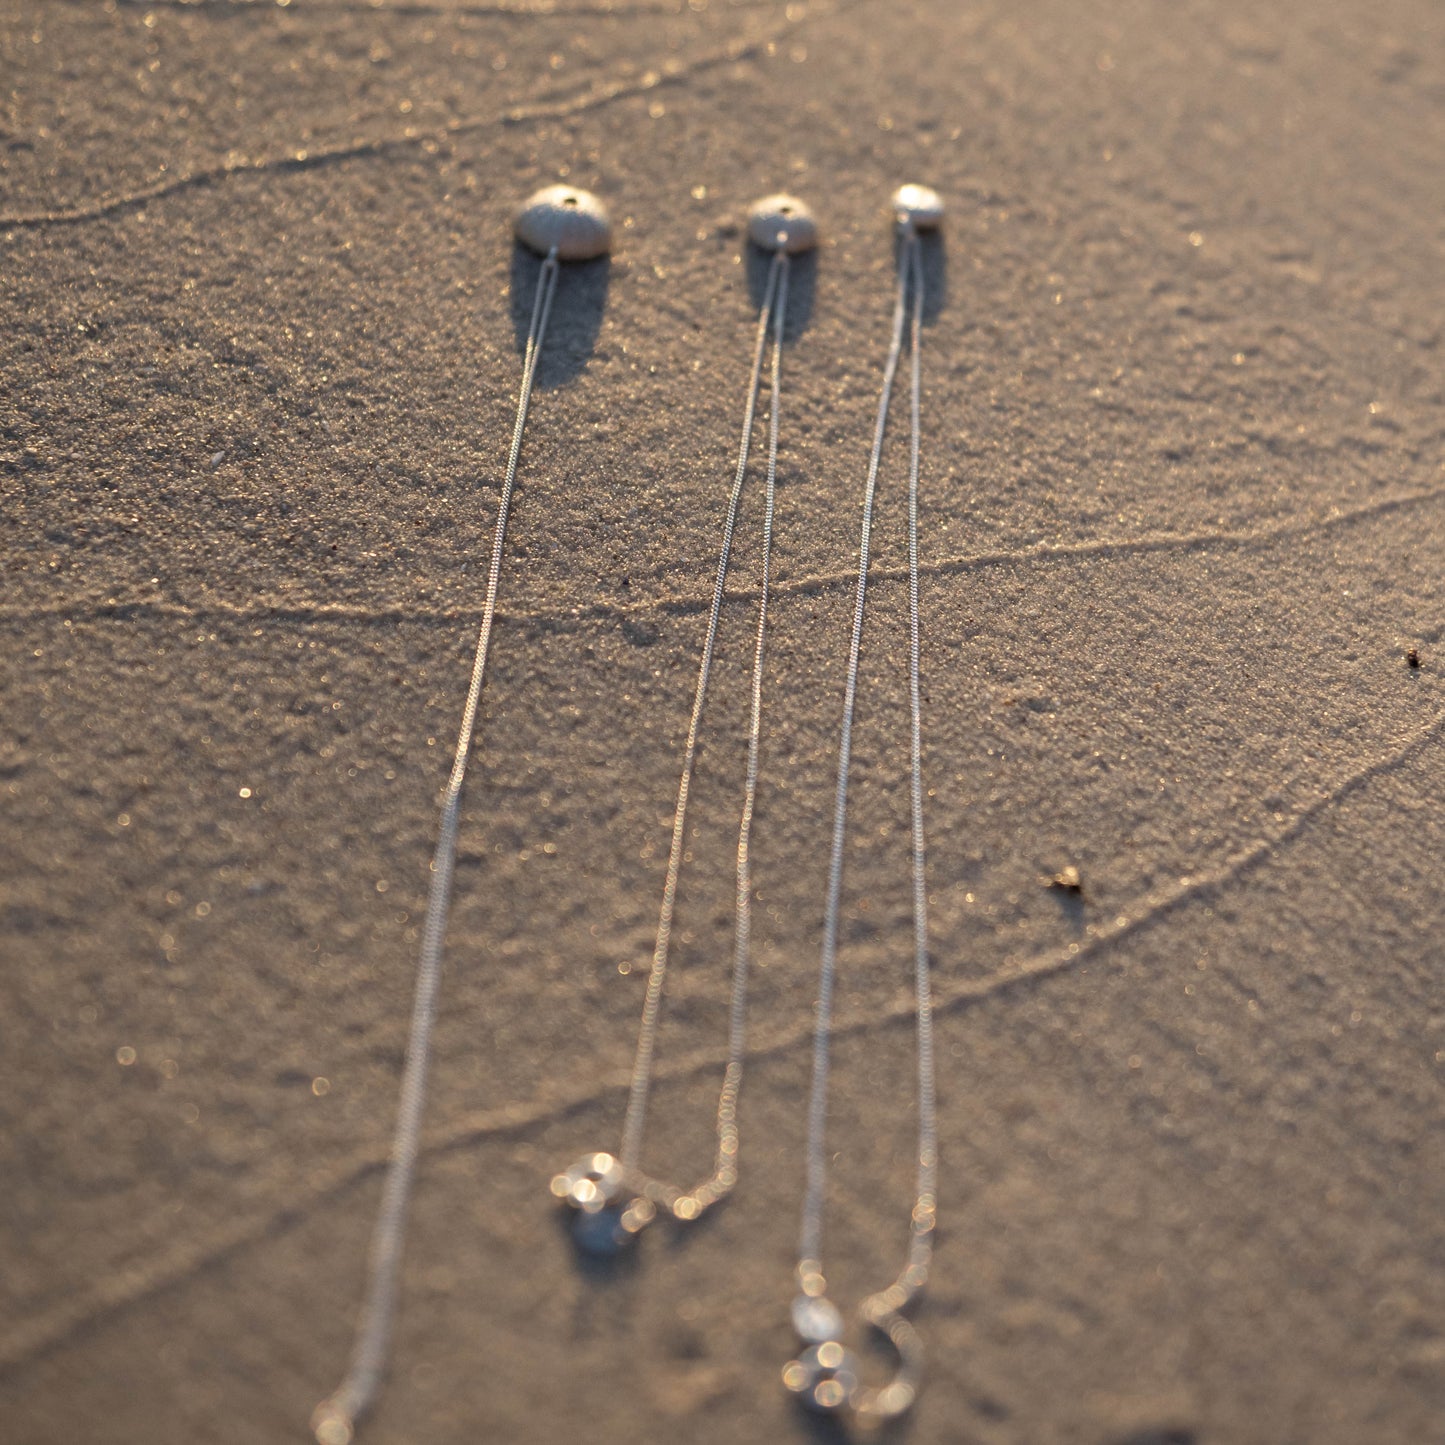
{"x":1183,"y":483}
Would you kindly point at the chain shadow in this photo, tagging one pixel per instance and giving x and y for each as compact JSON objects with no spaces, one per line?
{"x":935,"y":270}
{"x":576,"y":319}
{"x":802,"y":287}
{"x":839,"y":1430}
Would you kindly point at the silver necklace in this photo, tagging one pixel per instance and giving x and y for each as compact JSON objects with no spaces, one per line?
{"x":613,"y":1198}
{"x":559,"y":223}
{"x":825,"y":1376}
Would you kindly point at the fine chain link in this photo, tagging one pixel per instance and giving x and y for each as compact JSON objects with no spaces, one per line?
{"x":925,"y":1210}
{"x":692,"y":1203}
{"x":882,"y":1308}
{"x":810,"y":1268}
{"x":725,"y":1170}
{"x":334,"y":1421}
{"x":920,"y":1249}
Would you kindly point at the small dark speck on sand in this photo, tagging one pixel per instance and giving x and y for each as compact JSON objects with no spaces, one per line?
{"x":1413,"y":658}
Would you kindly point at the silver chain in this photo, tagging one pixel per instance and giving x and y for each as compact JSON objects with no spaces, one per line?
{"x":818,"y":1321}
{"x":623,"y":1175}
{"x":334,"y":1420}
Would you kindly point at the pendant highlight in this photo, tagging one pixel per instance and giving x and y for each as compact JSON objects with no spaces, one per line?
{"x":609,"y":1216}
{"x":824,"y":1378}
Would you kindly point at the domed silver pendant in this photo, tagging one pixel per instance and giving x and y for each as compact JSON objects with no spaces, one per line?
{"x":782,"y":223}
{"x":918,"y":206}
{"x":573,"y":223}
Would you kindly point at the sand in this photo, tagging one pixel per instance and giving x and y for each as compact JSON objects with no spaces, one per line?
{"x":1182,"y":489}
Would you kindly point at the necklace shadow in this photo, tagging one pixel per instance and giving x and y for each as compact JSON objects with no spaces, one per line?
{"x":934,"y":255}
{"x":802,"y":287}
{"x":577,"y":308}
{"x":843,"y":1430}
{"x":596,"y":1268}
{"x":606,"y":1267}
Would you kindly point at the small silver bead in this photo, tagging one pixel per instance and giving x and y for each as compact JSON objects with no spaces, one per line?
{"x":824,"y":1378}
{"x":608,"y":1217}
{"x":573,"y":222}
{"x":816,"y":1320}
{"x":782,"y":223}
{"x":331,"y":1425}
{"x":920,"y":206}
{"x":592,"y":1184}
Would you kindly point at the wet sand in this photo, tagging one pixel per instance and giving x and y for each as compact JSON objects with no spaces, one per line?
{"x":1183,"y":466}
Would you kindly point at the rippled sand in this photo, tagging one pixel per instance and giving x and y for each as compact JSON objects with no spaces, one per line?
{"x":1182,"y":487}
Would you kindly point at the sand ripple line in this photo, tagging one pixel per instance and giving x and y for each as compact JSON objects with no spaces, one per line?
{"x":594,"y":98}
{"x":684,"y":604}
{"x":542,"y":9}
{"x":132,"y":1286}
